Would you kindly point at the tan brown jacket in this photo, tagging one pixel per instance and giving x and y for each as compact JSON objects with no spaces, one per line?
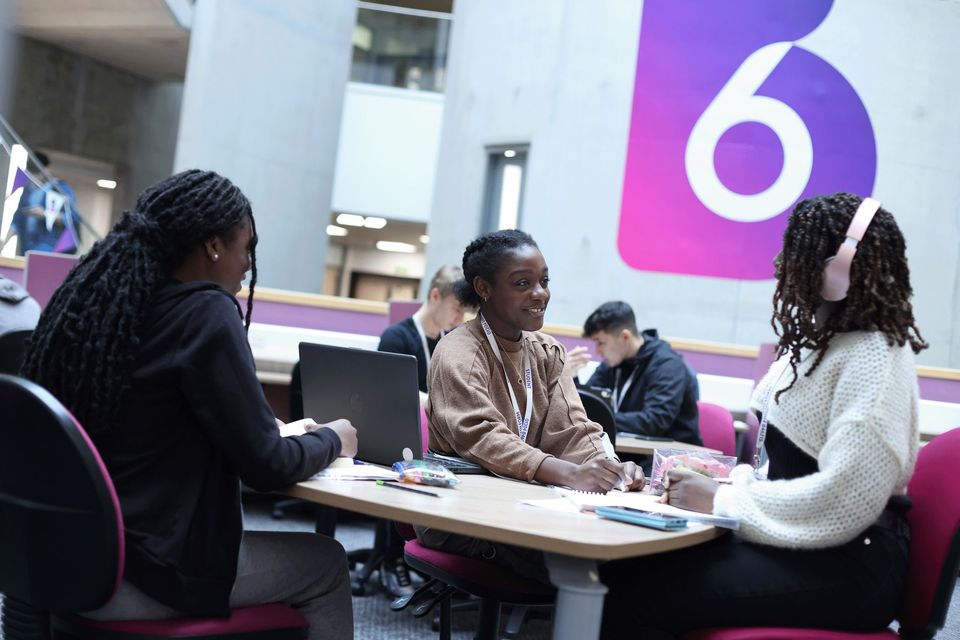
{"x":471,"y":414}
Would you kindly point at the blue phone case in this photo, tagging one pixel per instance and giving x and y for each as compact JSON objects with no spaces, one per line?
{"x":642,"y":518}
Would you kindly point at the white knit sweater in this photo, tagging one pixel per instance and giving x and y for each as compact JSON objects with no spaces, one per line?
{"x":857,"y":416}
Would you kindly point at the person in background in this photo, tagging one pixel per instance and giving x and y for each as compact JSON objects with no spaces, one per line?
{"x":823,"y":541}
{"x":18,"y":311}
{"x":653,"y":392}
{"x":498,"y":397}
{"x":30,"y":223}
{"x":146,"y":344}
{"x":418,"y":336}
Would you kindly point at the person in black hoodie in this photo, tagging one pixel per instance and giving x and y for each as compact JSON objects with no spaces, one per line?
{"x":653,"y":392}
{"x":145,"y":343}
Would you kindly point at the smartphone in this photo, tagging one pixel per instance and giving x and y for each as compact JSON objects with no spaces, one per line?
{"x":650,"y":519}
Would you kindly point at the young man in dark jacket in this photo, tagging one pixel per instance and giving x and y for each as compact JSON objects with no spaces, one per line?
{"x":653,"y":393}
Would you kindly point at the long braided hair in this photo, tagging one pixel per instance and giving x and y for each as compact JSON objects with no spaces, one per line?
{"x":879,"y":294}
{"x":483,"y":256}
{"x":88,"y":336}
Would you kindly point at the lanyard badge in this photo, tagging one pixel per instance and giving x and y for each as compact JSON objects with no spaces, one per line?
{"x":523,"y":423}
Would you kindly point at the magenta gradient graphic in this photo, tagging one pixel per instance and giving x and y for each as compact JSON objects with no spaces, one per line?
{"x":732,"y":124}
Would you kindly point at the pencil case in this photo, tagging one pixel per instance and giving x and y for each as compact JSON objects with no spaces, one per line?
{"x":424,"y":472}
{"x":706,"y":464}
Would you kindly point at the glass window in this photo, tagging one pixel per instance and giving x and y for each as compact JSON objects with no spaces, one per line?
{"x":503,"y":201}
{"x":407,"y":50}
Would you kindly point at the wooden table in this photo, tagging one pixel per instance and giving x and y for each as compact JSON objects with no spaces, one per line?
{"x":488,"y":507}
{"x":626,"y":444}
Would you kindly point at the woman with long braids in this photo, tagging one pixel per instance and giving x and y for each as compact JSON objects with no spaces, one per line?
{"x":146,"y":345}
{"x":497,"y":396}
{"x":823,"y":540}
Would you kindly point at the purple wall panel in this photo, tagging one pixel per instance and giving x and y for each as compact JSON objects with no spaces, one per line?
{"x":719,"y":365}
{"x":293,"y":315}
{"x":402,"y":309}
{"x":12,"y":274}
{"x":45,"y":272}
{"x":940,"y":389}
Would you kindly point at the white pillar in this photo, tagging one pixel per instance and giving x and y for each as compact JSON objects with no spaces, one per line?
{"x":262,"y":102}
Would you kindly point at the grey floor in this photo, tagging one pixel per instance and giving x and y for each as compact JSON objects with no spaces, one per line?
{"x":372,"y":615}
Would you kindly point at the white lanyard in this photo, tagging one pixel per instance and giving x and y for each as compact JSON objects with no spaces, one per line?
{"x":617,"y":396}
{"x":523,"y":424}
{"x":423,"y":339}
{"x":764,"y":417}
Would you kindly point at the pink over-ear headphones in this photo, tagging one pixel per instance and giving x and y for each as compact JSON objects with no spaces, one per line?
{"x":836,"y":270}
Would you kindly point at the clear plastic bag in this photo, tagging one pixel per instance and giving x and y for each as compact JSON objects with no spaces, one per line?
{"x":707,"y":464}
{"x":424,"y":472}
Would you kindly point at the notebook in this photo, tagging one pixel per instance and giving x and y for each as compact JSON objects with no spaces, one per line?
{"x":376,"y":391}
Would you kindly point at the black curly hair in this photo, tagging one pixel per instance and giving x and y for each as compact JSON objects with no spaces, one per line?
{"x":88,"y":335}
{"x":879,"y":294}
{"x":483,"y":257}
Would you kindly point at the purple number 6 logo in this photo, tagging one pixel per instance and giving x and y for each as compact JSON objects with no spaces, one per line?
{"x":733,"y":123}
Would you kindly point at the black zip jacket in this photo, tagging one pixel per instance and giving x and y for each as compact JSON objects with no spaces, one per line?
{"x":662,"y":400}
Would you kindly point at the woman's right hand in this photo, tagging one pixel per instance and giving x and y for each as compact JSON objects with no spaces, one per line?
{"x":599,"y":475}
{"x":347,"y":434}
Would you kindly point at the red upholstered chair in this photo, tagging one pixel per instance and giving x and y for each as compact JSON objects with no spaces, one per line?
{"x":749,"y":445}
{"x":934,"y":555}
{"x":716,"y":428}
{"x":61,"y":536}
{"x":489,"y":582}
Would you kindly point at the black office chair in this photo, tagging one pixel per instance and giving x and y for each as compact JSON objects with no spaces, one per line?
{"x":600,"y":412}
{"x":13,"y":348}
{"x":62,"y":542}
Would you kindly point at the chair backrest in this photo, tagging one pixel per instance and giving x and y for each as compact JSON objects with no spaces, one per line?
{"x":424,"y":430}
{"x":749,"y":447}
{"x":13,"y":347}
{"x":296,"y":394}
{"x":934,"y":535}
{"x":61,"y":534}
{"x":716,"y":428}
{"x":600,"y":412}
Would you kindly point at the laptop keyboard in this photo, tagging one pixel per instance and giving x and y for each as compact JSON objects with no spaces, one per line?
{"x":457,"y":465}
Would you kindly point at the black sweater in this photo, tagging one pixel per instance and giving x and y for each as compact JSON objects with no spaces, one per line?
{"x":662,"y":400}
{"x":403,"y":337}
{"x":193,"y":424}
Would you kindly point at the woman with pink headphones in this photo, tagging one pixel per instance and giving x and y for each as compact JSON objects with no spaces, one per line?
{"x":822,"y":540}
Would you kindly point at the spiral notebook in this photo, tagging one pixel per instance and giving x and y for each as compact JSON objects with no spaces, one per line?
{"x":572,"y":501}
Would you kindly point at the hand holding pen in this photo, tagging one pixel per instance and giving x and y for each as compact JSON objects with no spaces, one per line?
{"x":632,"y":478}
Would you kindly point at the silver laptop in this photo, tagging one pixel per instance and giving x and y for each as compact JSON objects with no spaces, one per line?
{"x":375,"y":391}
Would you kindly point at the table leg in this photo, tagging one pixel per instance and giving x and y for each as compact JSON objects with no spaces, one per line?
{"x":579,"y":597}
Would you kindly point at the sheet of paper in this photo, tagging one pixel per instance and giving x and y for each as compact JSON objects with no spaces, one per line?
{"x":573,"y":501}
{"x":347,"y":469}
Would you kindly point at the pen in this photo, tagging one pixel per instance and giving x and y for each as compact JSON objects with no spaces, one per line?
{"x":611,"y":455}
{"x":411,"y":489}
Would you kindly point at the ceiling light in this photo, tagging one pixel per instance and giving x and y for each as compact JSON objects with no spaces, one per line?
{"x":334,"y":230}
{"x":424,"y":239}
{"x":107,"y":184}
{"x":396,"y":247}
{"x":373,"y":222}
{"x":350,"y":220}
{"x":509,"y":153}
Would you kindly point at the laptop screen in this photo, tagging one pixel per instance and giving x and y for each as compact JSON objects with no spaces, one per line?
{"x":376,"y":391}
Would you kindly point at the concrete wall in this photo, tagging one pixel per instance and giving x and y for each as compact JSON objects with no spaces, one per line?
{"x":262,"y":104}
{"x":387,"y":155}
{"x":74,"y":104}
{"x":558,"y":74}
